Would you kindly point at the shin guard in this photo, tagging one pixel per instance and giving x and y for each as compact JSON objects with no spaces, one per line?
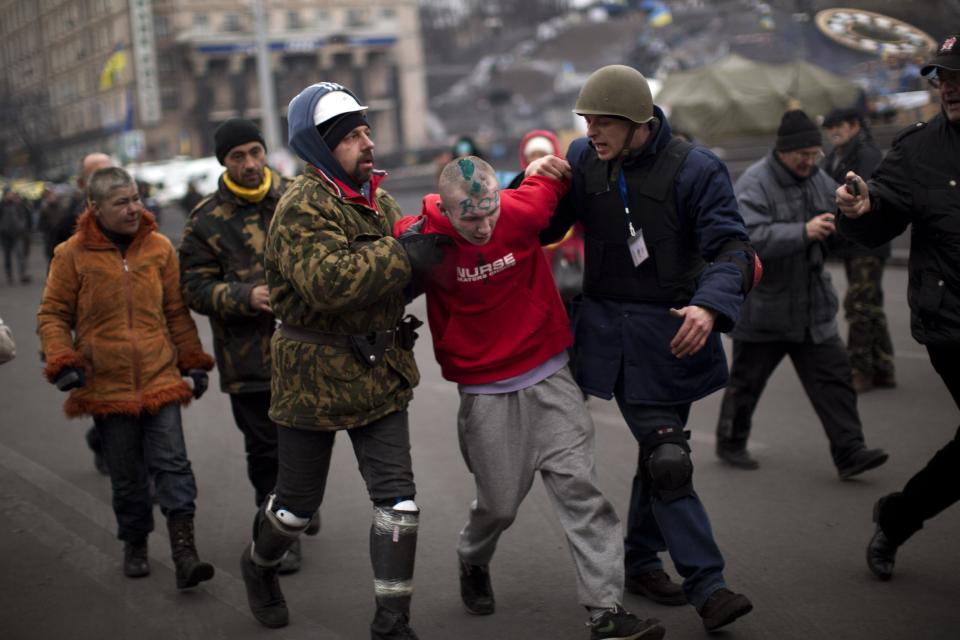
{"x":393,"y":547}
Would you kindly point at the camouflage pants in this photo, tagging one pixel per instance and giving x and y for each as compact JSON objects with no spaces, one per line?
{"x":868,"y":344}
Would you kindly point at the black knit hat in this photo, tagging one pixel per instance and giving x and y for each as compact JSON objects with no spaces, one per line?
{"x":234,"y":132}
{"x":947,"y":57}
{"x":797,"y":131}
{"x":335,"y":129}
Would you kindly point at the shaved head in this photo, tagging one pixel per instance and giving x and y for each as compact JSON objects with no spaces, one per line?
{"x":470,"y":198}
{"x":466,"y":183}
{"x":90,"y":163}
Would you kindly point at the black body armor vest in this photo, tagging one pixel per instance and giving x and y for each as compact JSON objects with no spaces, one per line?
{"x":670,"y":273}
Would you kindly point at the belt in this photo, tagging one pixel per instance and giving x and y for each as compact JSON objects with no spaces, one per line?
{"x":312,"y":336}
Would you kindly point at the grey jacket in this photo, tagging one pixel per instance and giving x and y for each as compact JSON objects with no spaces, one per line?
{"x":795,"y":299}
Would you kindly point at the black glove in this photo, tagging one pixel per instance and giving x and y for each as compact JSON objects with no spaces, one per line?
{"x":200,"y":381}
{"x":69,"y":378}
{"x":424,"y":250}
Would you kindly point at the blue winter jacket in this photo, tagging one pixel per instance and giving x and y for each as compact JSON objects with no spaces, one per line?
{"x":615,"y":338}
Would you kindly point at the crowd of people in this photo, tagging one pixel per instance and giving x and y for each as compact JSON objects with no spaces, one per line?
{"x":306,"y":283}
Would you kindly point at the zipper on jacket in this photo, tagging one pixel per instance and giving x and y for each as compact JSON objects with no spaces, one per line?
{"x":128,"y":288}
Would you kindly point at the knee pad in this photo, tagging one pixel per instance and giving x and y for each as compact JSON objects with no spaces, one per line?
{"x":284,"y":520}
{"x":667,"y":463}
{"x":274,"y":530}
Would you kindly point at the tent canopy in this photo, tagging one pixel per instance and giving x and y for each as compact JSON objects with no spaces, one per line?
{"x":739,"y":97}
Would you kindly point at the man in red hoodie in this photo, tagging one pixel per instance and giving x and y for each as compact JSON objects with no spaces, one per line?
{"x":500,"y":332}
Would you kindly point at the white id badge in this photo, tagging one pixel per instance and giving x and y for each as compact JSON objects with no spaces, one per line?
{"x":638,"y":249}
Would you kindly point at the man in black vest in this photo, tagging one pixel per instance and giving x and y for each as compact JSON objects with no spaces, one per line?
{"x":916,"y":185}
{"x":668,"y":264}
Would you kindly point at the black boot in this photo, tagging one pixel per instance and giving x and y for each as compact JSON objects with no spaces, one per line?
{"x":191,"y":571}
{"x":135,"y":562}
{"x":393,"y":546}
{"x":263,"y":592}
{"x":260,"y":564}
{"x":657,"y":586}
{"x":475,"y":589}
{"x":737,"y":457}
{"x":723,"y":607}
{"x":881,"y":550}
{"x":733,"y":431}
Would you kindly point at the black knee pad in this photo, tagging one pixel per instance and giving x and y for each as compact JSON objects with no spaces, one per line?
{"x":667,"y":464}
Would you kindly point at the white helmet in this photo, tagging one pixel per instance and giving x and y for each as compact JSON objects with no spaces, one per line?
{"x":335,"y":103}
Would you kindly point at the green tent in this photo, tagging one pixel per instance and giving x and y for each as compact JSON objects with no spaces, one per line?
{"x":739,"y":97}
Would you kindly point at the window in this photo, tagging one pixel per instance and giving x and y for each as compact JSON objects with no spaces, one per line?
{"x":161,"y":27}
{"x":293,"y":20}
{"x":356,"y":17}
{"x":231,"y":22}
{"x":169,"y":98}
{"x":201,"y":21}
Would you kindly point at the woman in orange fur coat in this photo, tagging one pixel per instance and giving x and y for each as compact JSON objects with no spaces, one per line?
{"x":115,"y":332}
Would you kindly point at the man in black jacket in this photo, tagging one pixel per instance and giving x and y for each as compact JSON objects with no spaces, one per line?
{"x":917,"y":184}
{"x":868,"y":340}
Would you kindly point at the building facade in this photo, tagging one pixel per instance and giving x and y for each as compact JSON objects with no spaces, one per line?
{"x":151,"y":79}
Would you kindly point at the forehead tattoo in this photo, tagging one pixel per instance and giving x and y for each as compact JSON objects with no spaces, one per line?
{"x":479,"y":207}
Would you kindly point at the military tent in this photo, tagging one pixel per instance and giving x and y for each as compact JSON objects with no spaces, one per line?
{"x":739,"y":97}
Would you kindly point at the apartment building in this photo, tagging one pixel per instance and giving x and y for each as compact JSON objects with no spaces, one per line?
{"x":151,"y":79}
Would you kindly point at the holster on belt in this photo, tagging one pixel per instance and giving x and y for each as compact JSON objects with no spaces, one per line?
{"x":407,"y":332}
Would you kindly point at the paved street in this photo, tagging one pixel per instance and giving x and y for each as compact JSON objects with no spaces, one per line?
{"x":792,"y":533}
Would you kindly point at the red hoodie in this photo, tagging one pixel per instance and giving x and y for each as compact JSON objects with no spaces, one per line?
{"x":501,"y":316}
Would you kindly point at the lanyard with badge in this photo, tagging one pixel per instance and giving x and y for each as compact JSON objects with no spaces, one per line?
{"x":638,"y":248}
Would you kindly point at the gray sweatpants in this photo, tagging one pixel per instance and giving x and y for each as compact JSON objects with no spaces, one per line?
{"x":505,"y":439}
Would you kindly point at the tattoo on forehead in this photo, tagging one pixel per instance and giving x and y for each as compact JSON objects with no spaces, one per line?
{"x":483,"y":206}
{"x":467,"y":169}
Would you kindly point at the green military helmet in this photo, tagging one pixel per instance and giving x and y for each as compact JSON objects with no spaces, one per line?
{"x":616,"y":90}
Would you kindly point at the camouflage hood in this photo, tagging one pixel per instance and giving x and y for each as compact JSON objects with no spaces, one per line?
{"x":306,"y":141}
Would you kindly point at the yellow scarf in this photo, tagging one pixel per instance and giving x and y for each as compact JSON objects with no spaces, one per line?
{"x":253,"y":195}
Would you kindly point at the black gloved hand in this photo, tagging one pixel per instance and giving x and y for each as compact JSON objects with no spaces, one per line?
{"x":70,"y":378}
{"x":424,"y":250}
{"x":200,"y":381}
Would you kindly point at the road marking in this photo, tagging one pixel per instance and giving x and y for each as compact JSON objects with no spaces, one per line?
{"x":103,"y":569}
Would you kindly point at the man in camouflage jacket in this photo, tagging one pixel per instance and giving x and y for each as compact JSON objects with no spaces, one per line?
{"x":222,"y":276}
{"x":342,"y":358}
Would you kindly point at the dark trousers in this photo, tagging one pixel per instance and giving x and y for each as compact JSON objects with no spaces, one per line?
{"x":382,"y":449}
{"x":14,"y":252}
{"x":824,"y":371}
{"x":137,"y":448}
{"x":868,"y":342}
{"x":680,"y":526}
{"x":259,"y":440}
{"x":937,"y":485}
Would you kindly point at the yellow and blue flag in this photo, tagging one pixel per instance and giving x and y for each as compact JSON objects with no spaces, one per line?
{"x":115,"y":64}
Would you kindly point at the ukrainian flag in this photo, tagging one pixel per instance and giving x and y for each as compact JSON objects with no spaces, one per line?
{"x":116,"y":63}
{"x":660,"y":16}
